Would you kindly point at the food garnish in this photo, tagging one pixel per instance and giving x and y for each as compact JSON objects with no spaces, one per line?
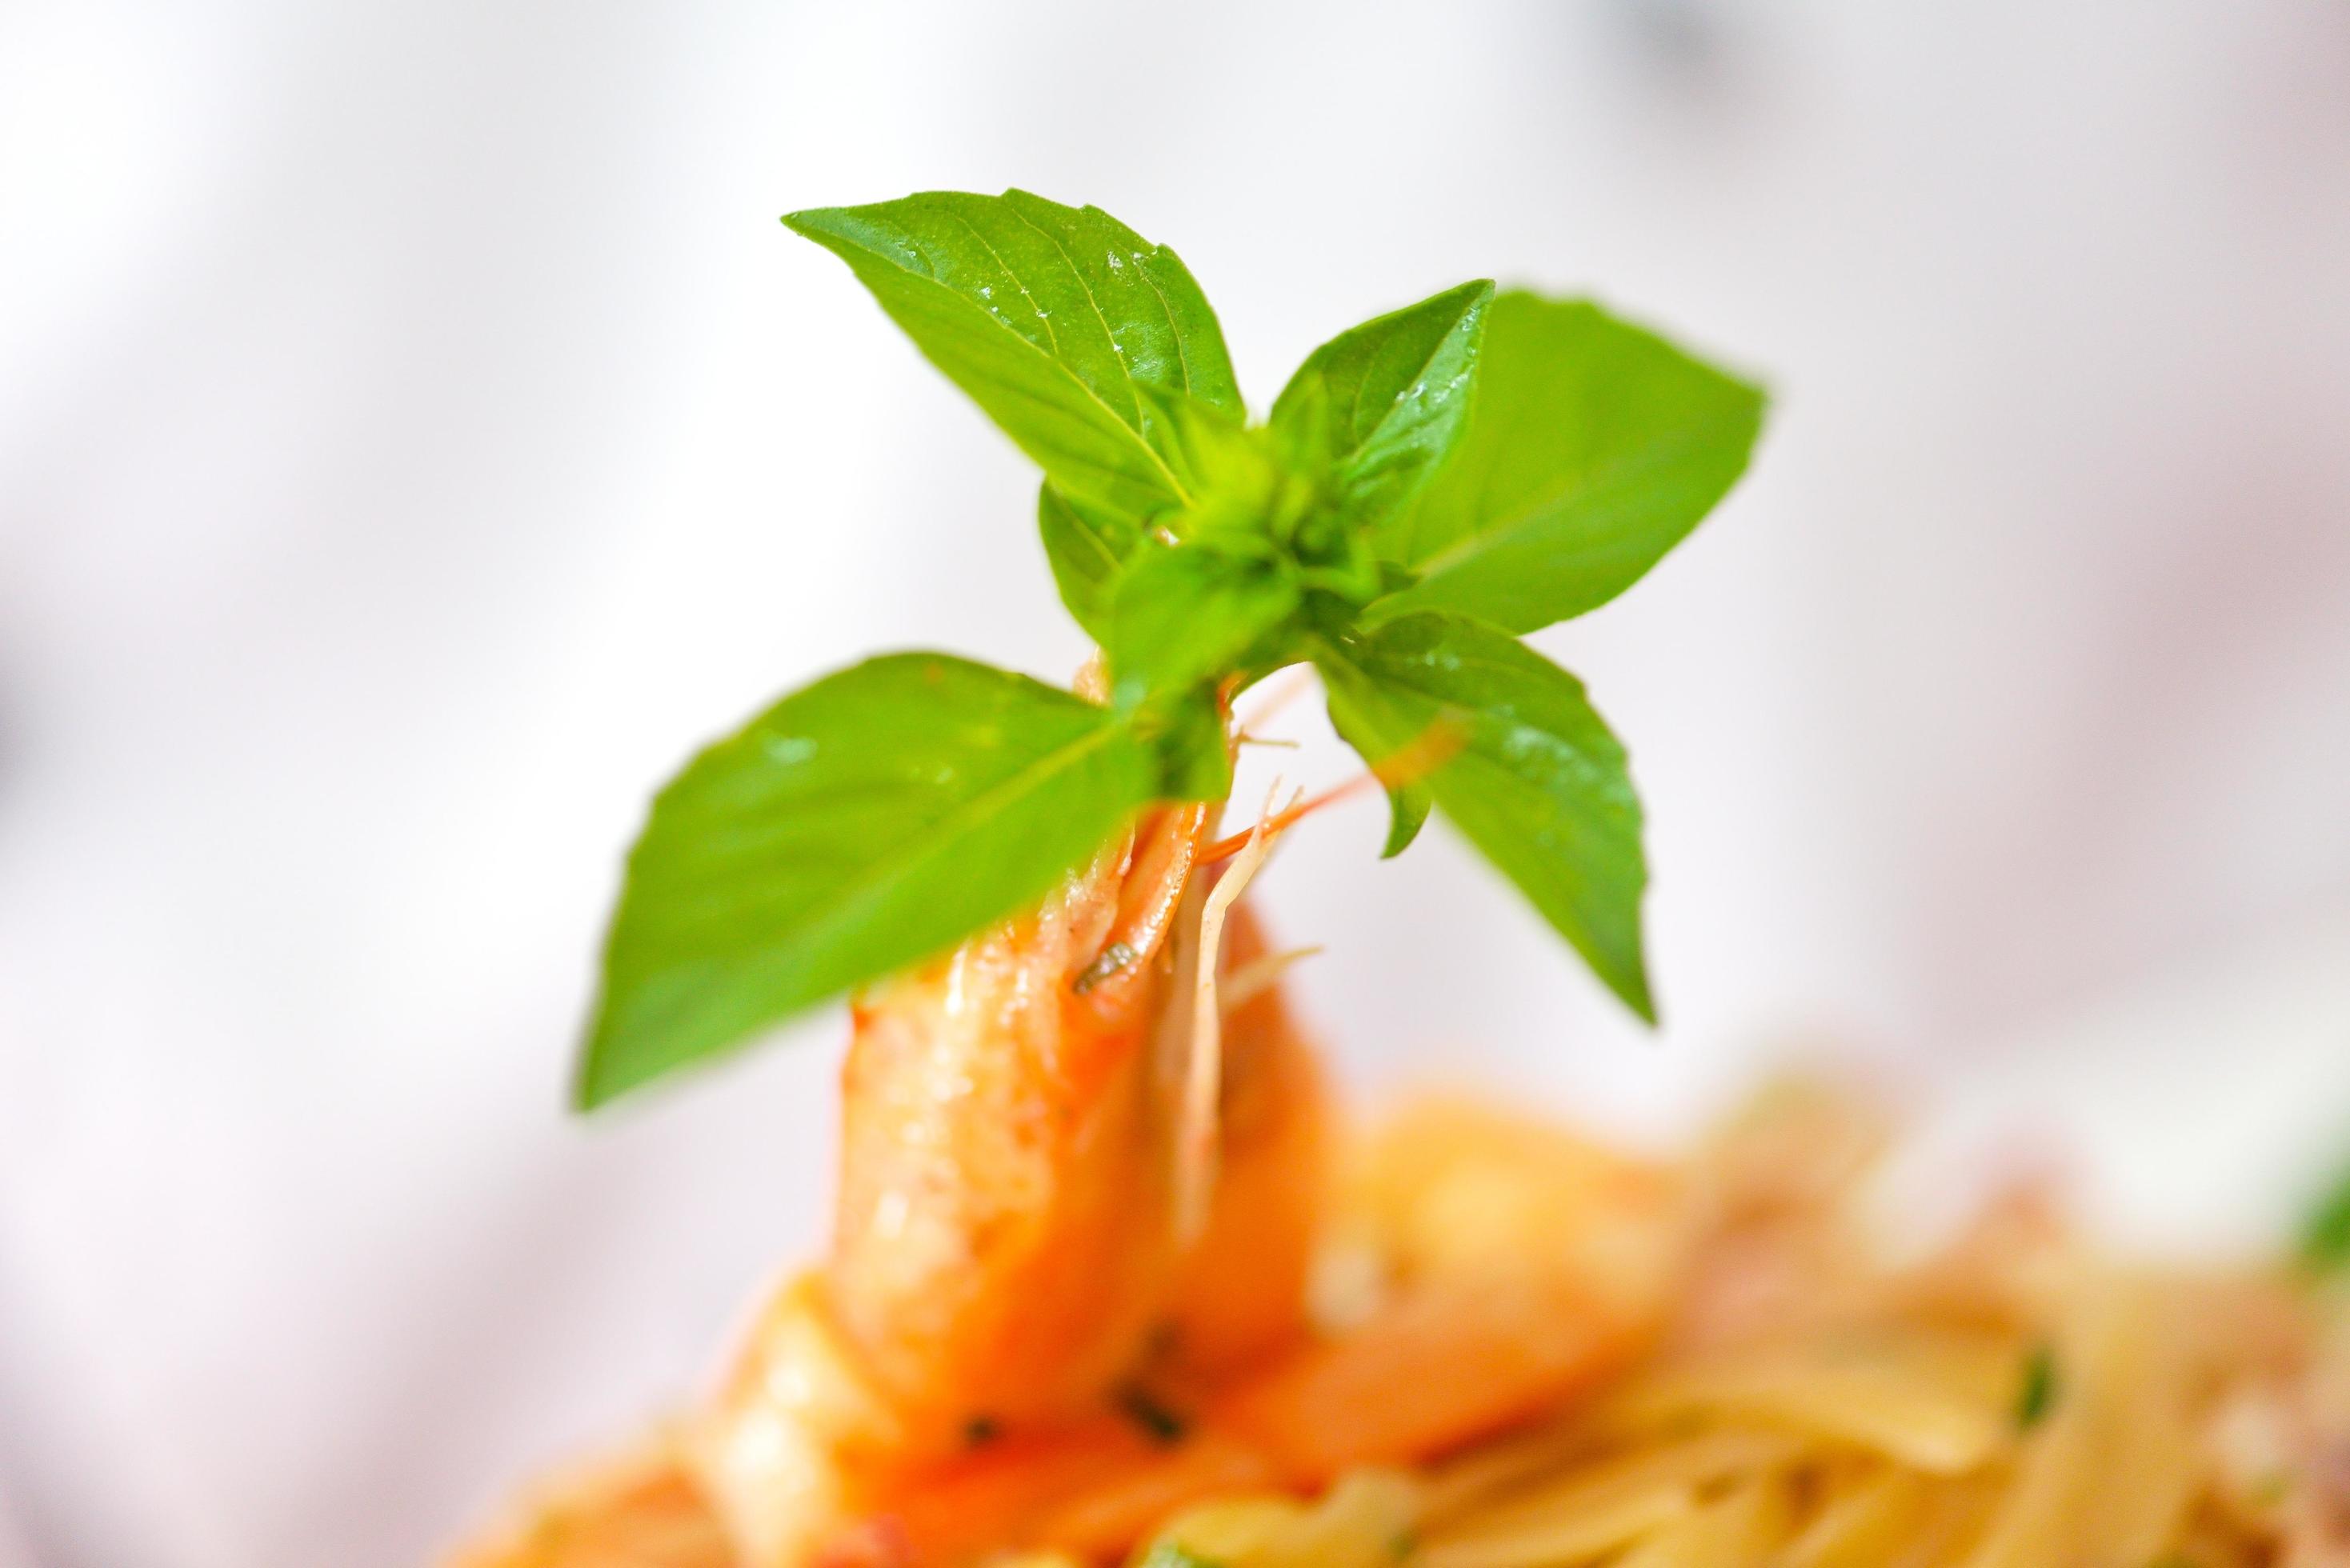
{"x":1428,"y":487}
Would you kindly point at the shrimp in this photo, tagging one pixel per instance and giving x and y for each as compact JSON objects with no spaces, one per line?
{"x":640,"y":1510}
{"x":1059,"y":1303}
{"x":1008,"y":1253}
{"x":1005,"y":1225}
{"x":1239,"y":1293}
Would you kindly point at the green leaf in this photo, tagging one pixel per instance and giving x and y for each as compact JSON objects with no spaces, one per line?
{"x":1186,"y":614}
{"x":2325,"y":1234}
{"x":1537,"y":782}
{"x":1408,"y":801}
{"x":1050,"y":317}
{"x":1085,"y":546}
{"x":858,"y":826}
{"x":1243,"y":494}
{"x":1386,"y":400}
{"x":1186,"y":736}
{"x":1149,"y":304}
{"x":2035,"y":1394}
{"x":1593,"y":447}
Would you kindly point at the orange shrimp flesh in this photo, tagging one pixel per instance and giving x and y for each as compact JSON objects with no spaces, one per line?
{"x":1004,"y":1231}
{"x":1007,"y":1254}
{"x":641,"y":1511}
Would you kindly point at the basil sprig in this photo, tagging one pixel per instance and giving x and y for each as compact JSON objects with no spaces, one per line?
{"x":1428,"y":485}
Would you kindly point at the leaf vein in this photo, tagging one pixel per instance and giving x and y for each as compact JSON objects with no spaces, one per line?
{"x":1092,"y":300}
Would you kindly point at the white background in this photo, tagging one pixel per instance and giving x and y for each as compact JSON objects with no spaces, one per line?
{"x":416,"y":432}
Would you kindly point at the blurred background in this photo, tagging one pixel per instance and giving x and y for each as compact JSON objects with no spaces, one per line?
{"x":416,"y":433}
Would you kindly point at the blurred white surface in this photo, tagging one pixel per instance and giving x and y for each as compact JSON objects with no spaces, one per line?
{"x":416,"y":432}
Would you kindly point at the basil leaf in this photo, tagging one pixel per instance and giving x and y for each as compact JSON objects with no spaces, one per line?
{"x":858,"y":826}
{"x":1592,"y":449}
{"x":1085,"y":546}
{"x":1184,"y":614}
{"x":1386,"y":400}
{"x":2326,"y":1231}
{"x":1240,"y":489}
{"x":1187,"y":737}
{"x":2036,"y":1391}
{"x":1408,"y":802}
{"x":1538,"y":784}
{"x":1050,"y":317}
{"x":1165,"y":332}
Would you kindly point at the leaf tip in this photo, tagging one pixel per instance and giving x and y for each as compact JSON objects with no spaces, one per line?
{"x":1631,"y":988}
{"x":593,"y":1085}
{"x":822,"y":224}
{"x":1398,"y":839}
{"x":585,"y":1097}
{"x":1473,"y":297}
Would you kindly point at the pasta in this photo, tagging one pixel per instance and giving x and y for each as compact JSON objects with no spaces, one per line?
{"x":2014,"y":1399}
